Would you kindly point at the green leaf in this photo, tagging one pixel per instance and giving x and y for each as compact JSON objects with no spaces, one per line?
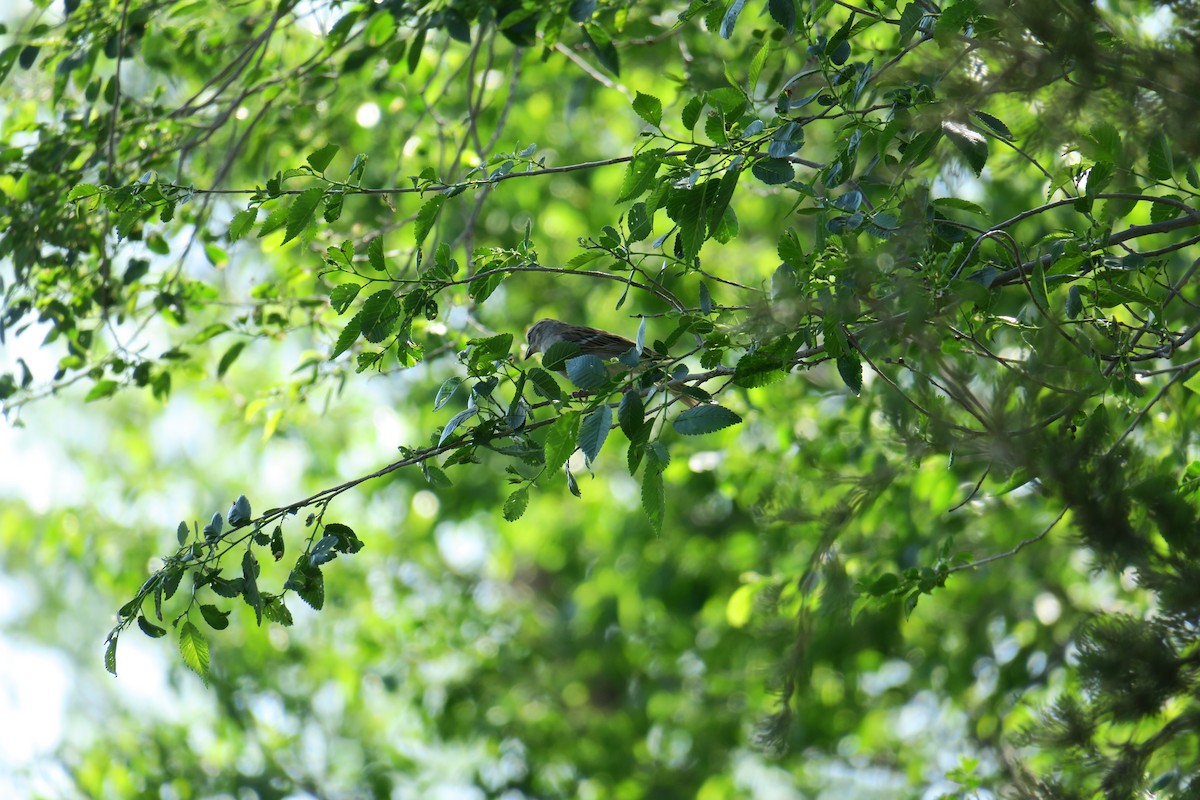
{"x":104,"y":388}
{"x":757,"y":63}
{"x":953,"y":19}
{"x":319,"y":159}
{"x":641,"y":224}
{"x":515,"y":505}
{"x":343,"y":295}
{"x":759,"y":369}
{"x":649,"y":108}
{"x":378,"y":316}
{"x":970,"y":143}
{"x":150,"y":629}
{"x":215,"y":617}
{"x":348,"y":336}
{"x":375,"y":256}
{"x":601,"y":43}
{"x":994,"y":124}
{"x":784,"y":14}
{"x":194,"y":649}
{"x":1074,"y":302}
{"x":426,"y":217}
{"x":690,"y":114}
{"x":654,"y":495}
{"x":239,"y":512}
{"x":250,"y":585}
{"x":704,"y":419}
{"x":182,"y":533}
{"x":242,"y":222}
{"x":730,"y":19}
{"x":631,"y":415}
{"x":455,"y":421}
{"x":1159,"y":160}
{"x":445,"y":392}
{"x":486,"y":351}
{"x":82,"y":191}
{"x":110,"y":655}
{"x":587,"y":372}
{"x":639,"y":174}
{"x":561,"y":440}
{"x":593,"y":431}
{"x":301,"y":212}
{"x":544,"y":383}
{"x":228,"y":357}
{"x":1098,"y":178}
{"x":773,"y":171}
{"x":850,"y":368}
{"x":959,"y":205}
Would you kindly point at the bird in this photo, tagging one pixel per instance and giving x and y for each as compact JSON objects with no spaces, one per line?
{"x":546,"y":333}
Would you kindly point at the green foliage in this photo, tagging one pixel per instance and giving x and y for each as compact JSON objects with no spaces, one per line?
{"x":916,"y":293}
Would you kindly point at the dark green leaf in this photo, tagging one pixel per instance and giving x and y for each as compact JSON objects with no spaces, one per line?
{"x":587,"y":372}
{"x":1159,"y":160}
{"x":216,"y":618}
{"x":581,"y":11}
{"x":1074,"y":302}
{"x":228,"y":357}
{"x":970,"y":143}
{"x":250,"y":585}
{"x":704,"y":419}
{"x":649,"y":108}
{"x":593,"y":431}
{"x":455,"y":421}
{"x":690,"y":114}
{"x":516,"y":503}
{"x":639,"y":174}
{"x":631,"y":415}
{"x":239,"y":512}
{"x":773,"y":171}
{"x":993,"y":123}
{"x":301,"y":211}
{"x":343,"y":295}
{"x":319,"y":159}
{"x":561,"y":440}
{"x":759,"y":369}
{"x":601,"y":43}
{"x":784,"y":13}
{"x":850,"y":368}
{"x":426,"y":217}
{"x":654,"y":496}
{"x":378,"y":316}
{"x":150,"y":629}
{"x":348,"y":336}
{"x":730,"y":19}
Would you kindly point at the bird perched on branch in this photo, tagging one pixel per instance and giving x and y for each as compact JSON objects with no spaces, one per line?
{"x":546,"y":333}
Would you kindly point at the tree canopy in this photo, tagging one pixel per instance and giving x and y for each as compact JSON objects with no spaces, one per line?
{"x":907,"y":508}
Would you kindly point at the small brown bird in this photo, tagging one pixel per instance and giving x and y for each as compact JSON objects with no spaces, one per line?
{"x":545,"y":333}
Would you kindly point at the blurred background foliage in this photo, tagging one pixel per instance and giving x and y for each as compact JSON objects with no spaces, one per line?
{"x":768,"y":640}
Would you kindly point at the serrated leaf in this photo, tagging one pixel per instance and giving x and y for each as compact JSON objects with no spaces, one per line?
{"x":969,"y":142}
{"x":216,"y":618}
{"x":960,"y":205}
{"x":1098,"y":178}
{"x":455,"y":421}
{"x":850,"y":368}
{"x":515,"y":505}
{"x":690,"y":114}
{"x":348,"y":336}
{"x":319,"y":159}
{"x":1159,"y":161}
{"x":561,"y":440}
{"x":758,"y":369}
{"x":640,"y":223}
{"x":110,"y":656}
{"x":242,"y":222}
{"x":587,"y":372}
{"x":631,"y":415}
{"x":654,"y":496}
{"x":593,"y":431}
{"x":301,"y":212}
{"x":378,"y":316}
{"x":82,"y":191}
{"x":757,"y":63}
{"x":639,"y":174}
{"x":730,"y":19}
{"x":250,"y":585}
{"x":544,"y":383}
{"x":445,"y":392}
{"x":150,"y":629}
{"x":784,"y":14}
{"x":343,"y":295}
{"x":375,"y":256}
{"x":228,"y":357}
{"x":704,"y":419}
{"x":649,"y":108}
{"x":773,"y":171}
{"x":426,"y":217}
{"x":994,"y":124}
{"x":194,"y":649}
{"x":239,"y":512}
